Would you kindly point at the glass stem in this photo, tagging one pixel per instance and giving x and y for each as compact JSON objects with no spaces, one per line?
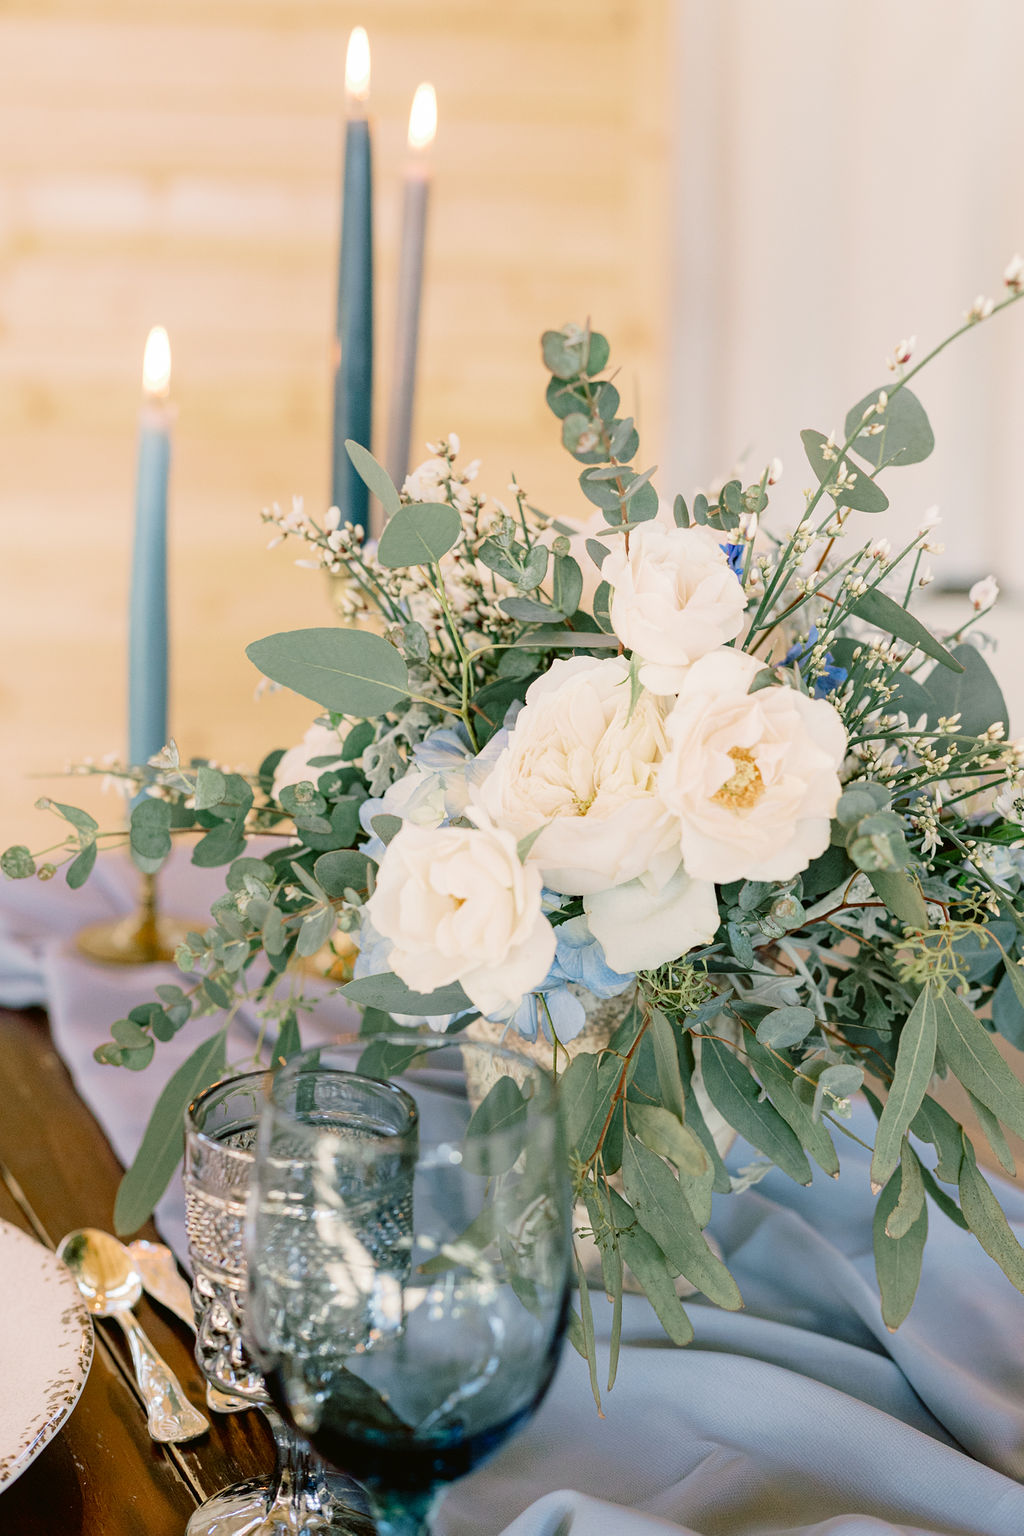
{"x":404,"y":1514}
{"x":298,"y":1474}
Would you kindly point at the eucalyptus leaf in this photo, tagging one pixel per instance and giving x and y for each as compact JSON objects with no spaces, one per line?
{"x":902,"y":895}
{"x":970,"y":1054}
{"x":163,"y":1140}
{"x":650,"y":1267}
{"x":737,"y":1097}
{"x":911,"y":1194}
{"x":994,"y":1136}
{"x":496,"y":1133}
{"x":935,"y":1124}
{"x":780,"y":1084}
{"x":211,"y":787}
{"x":906,"y":436}
{"x":915,"y":1063}
{"x":374,"y":476}
{"x":665,"y":1133}
{"x":419,"y":534}
{"x":341,"y":870}
{"x":347,"y":670}
{"x":17,"y":862}
{"x":972,"y":693}
{"x":858,"y":491}
{"x":662,"y":1034}
{"x":785,"y":1026}
{"x":985,"y":1217}
{"x":897,"y":1259}
{"x":876,"y":608}
{"x":388,"y":992}
{"x":654,"y":1193}
{"x":80,"y":868}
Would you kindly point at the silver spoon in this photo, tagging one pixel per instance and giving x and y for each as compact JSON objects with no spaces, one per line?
{"x":161,"y":1277}
{"x":111,"y":1287}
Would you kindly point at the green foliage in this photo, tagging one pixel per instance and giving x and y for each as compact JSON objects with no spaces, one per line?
{"x":418,"y":535}
{"x":906,"y":436}
{"x":346,"y":670}
{"x":855,"y":488}
{"x":17,"y":863}
{"x":874,"y":607}
{"x":374,"y":476}
{"x":162,"y":1145}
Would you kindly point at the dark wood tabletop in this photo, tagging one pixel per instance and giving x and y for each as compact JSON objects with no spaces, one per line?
{"x":101,"y":1475}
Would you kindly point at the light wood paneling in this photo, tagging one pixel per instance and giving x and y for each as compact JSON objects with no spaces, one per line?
{"x":180,"y":164}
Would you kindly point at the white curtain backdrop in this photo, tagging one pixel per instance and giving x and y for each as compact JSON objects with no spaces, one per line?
{"x":850,"y":172}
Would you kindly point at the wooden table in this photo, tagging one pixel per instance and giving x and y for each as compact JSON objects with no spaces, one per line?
{"x":101,"y":1475}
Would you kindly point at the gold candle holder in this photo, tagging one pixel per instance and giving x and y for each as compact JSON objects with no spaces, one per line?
{"x":146,"y":937}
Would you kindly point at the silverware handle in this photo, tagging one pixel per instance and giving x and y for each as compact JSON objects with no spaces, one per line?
{"x":171,"y":1417}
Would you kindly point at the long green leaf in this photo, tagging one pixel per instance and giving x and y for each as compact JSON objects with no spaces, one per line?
{"x":736,"y":1096}
{"x":653,"y":1191}
{"x":419,"y":535}
{"x":780,"y":1085}
{"x":911,"y":1197}
{"x":164,"y":1139}
{"x":387,"y":991}
{"x":897,"y":1259}
{"x":915,"y":1063}
{"x":874,"y":607}
{"x":662,"y":1131}
{"x":374,"y":476}
{"x":986,"y":1219}
{"x":347,"y":670}
{"x":972,"y":1057}
{"x":935,"y":1124}
{"x":650,"y":1267}
{"x":666,"y":1060}
{"x":973,"y":694}
{"x":994,"y":1135}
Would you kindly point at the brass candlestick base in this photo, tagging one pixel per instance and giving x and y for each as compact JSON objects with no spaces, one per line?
{"x":143,"y":938}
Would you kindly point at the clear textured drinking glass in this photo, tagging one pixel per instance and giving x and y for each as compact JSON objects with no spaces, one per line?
{"x":301,"y":1497}
{"x":408,"y":1293}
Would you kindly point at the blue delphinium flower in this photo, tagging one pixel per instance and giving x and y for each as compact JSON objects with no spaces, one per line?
{"x":736,"y":555}
{"x":579,"y":960}
{"x":829,"y":678}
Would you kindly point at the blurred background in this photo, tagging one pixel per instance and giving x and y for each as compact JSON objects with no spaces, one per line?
{"x":754,"y":199}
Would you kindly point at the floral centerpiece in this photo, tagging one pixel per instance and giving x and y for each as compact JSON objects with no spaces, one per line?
{"x":698,"y":809}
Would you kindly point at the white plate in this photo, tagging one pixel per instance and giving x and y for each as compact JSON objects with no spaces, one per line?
{"x":45,"y":1349}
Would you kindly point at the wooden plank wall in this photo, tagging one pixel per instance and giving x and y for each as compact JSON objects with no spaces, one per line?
{"x":178,"y":162}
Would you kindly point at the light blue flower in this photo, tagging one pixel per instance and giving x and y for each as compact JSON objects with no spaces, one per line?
{"x":579,"y":961}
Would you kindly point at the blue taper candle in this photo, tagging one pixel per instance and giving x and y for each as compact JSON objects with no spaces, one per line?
{"x":353,"y":379}
{"x":422,"y":128}
{"x":147,"y":622}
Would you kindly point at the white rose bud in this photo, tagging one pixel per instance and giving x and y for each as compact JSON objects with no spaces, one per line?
{"x":674,"y":598}
{"x":294,"y":767}
{"x":458,"y":906}
{"x":752,"y":778}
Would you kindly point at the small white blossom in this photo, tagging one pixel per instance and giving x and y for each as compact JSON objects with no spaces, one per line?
{"x":881,"y":549}
{"x":926,"y":577}
{"x":775,"y":471}
{"x":333,"y":519}
{"x":930,"y":520}
{"x":1013,"y":276}
{"x":980,"y":309}
{"x":901,"y":353}
{"x":984,"y":593}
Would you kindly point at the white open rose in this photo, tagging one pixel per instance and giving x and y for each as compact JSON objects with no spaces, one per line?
{"x":457,"y":905}
{"x":294,"y":767}
{"x":582,"y":768}
{"x":752,"y":778}
{"x":674,"y":598}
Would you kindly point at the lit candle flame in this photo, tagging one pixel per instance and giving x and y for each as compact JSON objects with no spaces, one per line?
{"x":423,"y":117}
{"x":357,"y":66}
{"x":156,"y":364}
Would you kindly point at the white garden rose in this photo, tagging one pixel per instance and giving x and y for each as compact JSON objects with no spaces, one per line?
{"x":674,"y":598}
{"x":752,"y":778}
{"x":579,"y":766}
{"x":294,"y":767}
{"x":643,"y":924}
{"x":457,"y":905}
